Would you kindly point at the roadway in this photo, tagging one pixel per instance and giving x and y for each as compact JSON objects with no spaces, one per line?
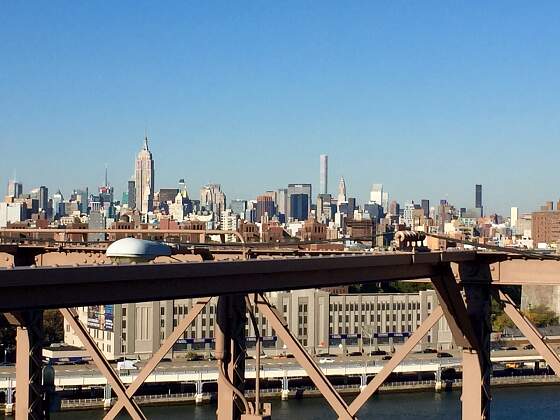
{"x":182,"y":365}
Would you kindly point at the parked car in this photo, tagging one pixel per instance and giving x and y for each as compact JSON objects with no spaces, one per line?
{"x":429,"y":351}
{"x":377,"y":353}
{"x":386,"y":357}
{"x":355,"y":353}
{"x":444,"y":354}
{"x":528,"y":347}
{"x":326,"y":360}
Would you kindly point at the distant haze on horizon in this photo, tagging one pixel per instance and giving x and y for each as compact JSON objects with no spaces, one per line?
{"x":428,"y":99}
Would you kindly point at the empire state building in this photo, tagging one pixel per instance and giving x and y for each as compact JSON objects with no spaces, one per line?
{"x":144,"y":179}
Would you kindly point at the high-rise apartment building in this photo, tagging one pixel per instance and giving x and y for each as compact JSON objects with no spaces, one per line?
{"x":323,"y":174}
{"x":144,"y":180}
{"x":478,"y":199}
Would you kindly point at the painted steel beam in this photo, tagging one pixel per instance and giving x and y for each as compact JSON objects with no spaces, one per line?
{"x":55,"y":287}
{"x":158,"y":356}
{"x":102,"y":364}
{"x":531,"y":332}
{"x":397,"y":358}
{"x":314,"y":372}
{"x":526,"y":272}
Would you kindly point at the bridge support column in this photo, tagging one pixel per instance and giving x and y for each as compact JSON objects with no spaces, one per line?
{"x":285,"y":387}
{"x":107,"y":397}
{"x":9,"y":406}
{"x":230,"y":353}
{"x":439,"y":384}
{"x":363,"y":381}
{"x":198,"y":395}
{"x":477,"y":367}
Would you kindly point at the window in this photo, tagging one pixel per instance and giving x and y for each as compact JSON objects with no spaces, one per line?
{"x":123,"y":311}
{"x":123,"y":323}
{"x":429,"y":305}
{"x":180,"y":310}
{"x":162,"y":311}
{"x":123,"y":335}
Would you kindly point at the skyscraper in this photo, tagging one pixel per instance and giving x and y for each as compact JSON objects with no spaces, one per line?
{"x":131,"y":193}
{"x":299,"y":206}
{"x":324,"y":174}
{"x":15,"y":189}
{"x":478,"y":199}
{"x":212,"y":197}
{"x":144,"y":180}
{"x":341,"y":198}
{"x":265,"y":205}
{"x":376,"y":194}
{"x":299,"y":189}
{"x":425,"y":207}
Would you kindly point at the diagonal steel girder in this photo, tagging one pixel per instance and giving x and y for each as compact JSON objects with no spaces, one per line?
{"x":156,"y":358}
{"x":102,"y":364}
{"x":304,"y":359}
{"x":398,"y":357}
{"x":529,"y":330}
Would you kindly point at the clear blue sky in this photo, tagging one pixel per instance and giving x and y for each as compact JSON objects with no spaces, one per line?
{"x":427,"y":98}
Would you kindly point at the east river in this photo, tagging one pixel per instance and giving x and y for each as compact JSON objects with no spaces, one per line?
{"x":519,"y":403}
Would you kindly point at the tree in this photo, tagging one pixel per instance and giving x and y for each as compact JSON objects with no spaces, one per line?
{"x":53,"y":326}
{"x":541,"y":316}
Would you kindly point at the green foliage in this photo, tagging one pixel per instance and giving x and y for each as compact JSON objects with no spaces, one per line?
{"x":53,"y":326}
{"x":541,"y":316}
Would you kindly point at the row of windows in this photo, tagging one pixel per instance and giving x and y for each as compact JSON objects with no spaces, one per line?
{"x":383,"y":306}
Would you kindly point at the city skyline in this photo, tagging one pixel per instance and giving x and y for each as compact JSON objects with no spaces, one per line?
{"x":362,"y":197}
{"x":405,"y":83}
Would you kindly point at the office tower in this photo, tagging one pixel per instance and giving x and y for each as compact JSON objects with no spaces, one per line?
{"x":299,"y":189}
{"x":425,"y":207}
{"x":238,"y":207}
{"x":324,"y":174}
{"x":40,"y":194}
{"x":385,"y":201}
{"x":183,"y":189}
{"x":131,"y":191}
{"x":341,"y":198}
{"x":299,"y":206}
{"x":376,"y":194}
{"x":213,"y":198}
{"x":478,"y":199}
{"x":15,"y":189}
{"x":514,"y":215}
{"x":394,"y":208}
{"x":282,"y":201}
{"x":58,"y":205}
{"x":265,"y":205}
{"x":144,"y":180}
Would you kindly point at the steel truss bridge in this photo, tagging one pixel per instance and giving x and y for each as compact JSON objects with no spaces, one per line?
{"x":464,"y":281}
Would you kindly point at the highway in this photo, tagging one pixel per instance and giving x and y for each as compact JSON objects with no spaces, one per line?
{"x":375,"y":363}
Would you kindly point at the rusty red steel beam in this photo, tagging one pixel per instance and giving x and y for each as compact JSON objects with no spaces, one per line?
{"x":55,"y":287}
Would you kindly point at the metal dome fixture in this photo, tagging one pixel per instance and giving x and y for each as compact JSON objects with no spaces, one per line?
{"x":138,"y":250}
